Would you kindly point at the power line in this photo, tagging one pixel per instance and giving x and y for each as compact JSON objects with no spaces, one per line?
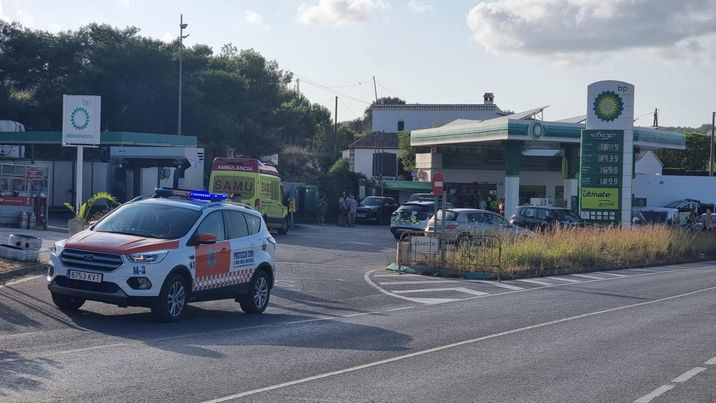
{"x":347,"y":107}
{"x":331,"y":90}
{"x":383,"y":87}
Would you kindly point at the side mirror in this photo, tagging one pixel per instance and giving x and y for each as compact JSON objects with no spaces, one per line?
{"x":205,"y":238}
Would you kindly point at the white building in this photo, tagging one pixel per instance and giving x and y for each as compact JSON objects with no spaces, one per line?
{"x":398,"y":118}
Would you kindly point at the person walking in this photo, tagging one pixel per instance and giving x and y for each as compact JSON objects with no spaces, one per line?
{"x":322,"y":207}
{"x":501,"y":207}
{"x":342,"y":209}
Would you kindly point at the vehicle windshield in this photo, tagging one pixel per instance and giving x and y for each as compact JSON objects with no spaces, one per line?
{"x":565,"y":215}
{"x":372,"y":201}
{"x":149,"y":220}
{"x":449,"y":215}
{"x":675,"y":204}
{"x":655,"y":217}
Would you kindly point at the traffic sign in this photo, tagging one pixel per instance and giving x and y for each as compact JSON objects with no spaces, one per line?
{"x":438,"y":184}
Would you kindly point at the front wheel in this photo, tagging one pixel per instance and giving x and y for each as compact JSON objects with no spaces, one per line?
{"x":172,"y":299}
{"x":259,"y":292}
{"x":67,"y":303}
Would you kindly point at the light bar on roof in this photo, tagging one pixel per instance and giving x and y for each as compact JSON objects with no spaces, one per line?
{"x":190,"y":194}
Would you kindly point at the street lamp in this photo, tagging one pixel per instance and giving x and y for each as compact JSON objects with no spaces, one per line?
{"x":182,"y":27}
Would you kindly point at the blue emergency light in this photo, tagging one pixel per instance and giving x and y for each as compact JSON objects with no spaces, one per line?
{"x":189,"y":194}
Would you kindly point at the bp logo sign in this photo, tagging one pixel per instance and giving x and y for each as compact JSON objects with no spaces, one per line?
{"x":535,"y":130}
{"x":79,"y":119}
{"x":608,"y":106}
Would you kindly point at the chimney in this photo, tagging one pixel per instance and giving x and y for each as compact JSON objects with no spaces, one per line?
{"x":489,"y":98}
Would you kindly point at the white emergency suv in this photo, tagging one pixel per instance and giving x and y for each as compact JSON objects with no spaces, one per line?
{"x":162,"y":252}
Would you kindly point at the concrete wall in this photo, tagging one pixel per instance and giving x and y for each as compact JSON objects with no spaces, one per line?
{"x":387,"y":120}
{"x":661,"y":190}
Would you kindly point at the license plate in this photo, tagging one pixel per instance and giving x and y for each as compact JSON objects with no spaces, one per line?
{"x":85,"y":276}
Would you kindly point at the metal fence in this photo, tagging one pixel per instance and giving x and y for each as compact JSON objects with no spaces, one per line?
{"x":465,"y":252}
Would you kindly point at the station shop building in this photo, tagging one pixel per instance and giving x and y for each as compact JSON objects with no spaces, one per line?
{"x":518,"y":157}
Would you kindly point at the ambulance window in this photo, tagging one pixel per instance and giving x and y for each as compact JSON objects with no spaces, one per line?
{"x":213,"y":224}
{"x":254,"y":223}
{"x":237,"y":224}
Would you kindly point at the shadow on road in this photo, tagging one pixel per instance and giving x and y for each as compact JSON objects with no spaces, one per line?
{"x":206,"y":327}
{"x":362,"y":238}
{"x":18,"y":373}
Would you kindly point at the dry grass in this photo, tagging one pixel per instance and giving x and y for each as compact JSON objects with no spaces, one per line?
{"x":574,"y":250}
{"x":7,"y":265}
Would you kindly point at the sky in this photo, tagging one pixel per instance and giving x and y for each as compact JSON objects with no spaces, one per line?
{"x":529,"y":53}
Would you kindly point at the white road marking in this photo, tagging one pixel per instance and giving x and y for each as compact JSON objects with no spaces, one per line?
{"x":497,"y":284}
{"x":21,"y":280}
{"x":613,"y":274}
{"x":525,"y":280}
{"x":654,"y":394}
{"x":458,"y":344}
{"x":458,"y":289}
{"x":398,"y":275}
{"x":427,"y":301}
{"x":569,"y":280}
{"x":711,"y":361}
{"x":688,"y":374}
{"x":588,"y":276}
{"x":416,"y":282}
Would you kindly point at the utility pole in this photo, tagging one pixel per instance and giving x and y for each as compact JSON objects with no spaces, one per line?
{"x":335,"y":129}
{"x":182,"y":27}
{"x":711,"y":148}
{"x":375,"y":90}
{"x":298,"y":85}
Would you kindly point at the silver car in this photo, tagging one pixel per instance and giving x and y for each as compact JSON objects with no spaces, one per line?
{"x":464,"y":222}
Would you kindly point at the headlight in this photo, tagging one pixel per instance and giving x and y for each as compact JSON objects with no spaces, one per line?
{"x":147,"y":258}
{"x":58,"y":246}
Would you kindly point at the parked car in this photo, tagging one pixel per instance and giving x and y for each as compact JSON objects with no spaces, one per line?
{"x":701,"y":223}
{"x":465,"y":222}
{"x":542,"y":217}
{"x":376,"y":209}
{"x":655,"y":215}
{"x":427,"y":197}
{"x":687,"y":207}
{"x":411,"y":216}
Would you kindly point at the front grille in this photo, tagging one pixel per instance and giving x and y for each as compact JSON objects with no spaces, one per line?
{"x":86,"y":285}
{"x":83,"y":259}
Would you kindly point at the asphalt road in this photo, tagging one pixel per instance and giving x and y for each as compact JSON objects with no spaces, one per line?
{"x":339,"y":328}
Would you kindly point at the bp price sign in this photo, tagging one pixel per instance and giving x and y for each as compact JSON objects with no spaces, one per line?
{"x":601,"y":175}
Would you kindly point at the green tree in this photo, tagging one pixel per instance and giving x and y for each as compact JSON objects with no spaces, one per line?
{"x":694,"y":158}
{"x":406,"y":152}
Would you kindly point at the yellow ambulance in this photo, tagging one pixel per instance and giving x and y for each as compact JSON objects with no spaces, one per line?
{"x":254,"y":183}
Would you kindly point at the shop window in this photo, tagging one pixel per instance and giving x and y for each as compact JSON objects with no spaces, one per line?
{"x":401,"y":125}
{"x":529,"y":191}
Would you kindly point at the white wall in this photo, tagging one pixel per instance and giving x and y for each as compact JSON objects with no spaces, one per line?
{"x":387,"y":120}
{"x":364,"y":160}
{"x":661,"y":190}
{"x":648,"y":164}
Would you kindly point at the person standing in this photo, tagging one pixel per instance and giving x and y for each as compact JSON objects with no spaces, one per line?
{"x":501,"y":207}
{"x":322,"y":207}
{"x":707,"y":220}
{"x":342,"y":209}
{"x":352,"y":209}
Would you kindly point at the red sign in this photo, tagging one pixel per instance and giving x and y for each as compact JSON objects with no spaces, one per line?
{"x":438,"y":184}
{"x":15,"y":201}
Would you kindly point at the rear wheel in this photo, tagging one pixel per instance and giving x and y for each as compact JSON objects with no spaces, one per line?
{"x":284,"y":227}
{"x":257,"y":299}
{"x":172,"y":299}
{"x":67,"y":303}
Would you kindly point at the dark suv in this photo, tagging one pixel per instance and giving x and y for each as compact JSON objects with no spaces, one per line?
{"x":376,"y":209}
{"x":541,"y":218}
